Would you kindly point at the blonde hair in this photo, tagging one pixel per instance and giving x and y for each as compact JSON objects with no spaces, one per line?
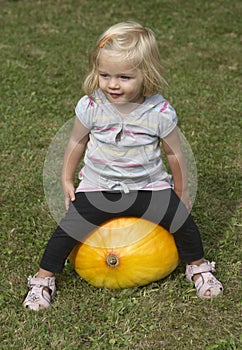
{"x":134,"y":43}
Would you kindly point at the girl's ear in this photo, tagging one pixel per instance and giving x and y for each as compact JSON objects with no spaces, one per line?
{"x":145,"y":92}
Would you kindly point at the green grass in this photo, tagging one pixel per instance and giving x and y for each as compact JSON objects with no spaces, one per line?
{"x":43,"y":59}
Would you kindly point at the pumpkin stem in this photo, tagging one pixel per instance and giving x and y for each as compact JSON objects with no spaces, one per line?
{"x":112,"y":260}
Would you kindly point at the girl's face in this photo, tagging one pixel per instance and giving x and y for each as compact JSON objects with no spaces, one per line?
{"x":118,"y":79}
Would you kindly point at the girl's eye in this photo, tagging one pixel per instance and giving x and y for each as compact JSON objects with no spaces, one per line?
{"x":103,"y":75}
{"x":125,"y":77}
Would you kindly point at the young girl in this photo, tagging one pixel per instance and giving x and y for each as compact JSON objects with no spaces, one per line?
{"x":121,"y":123}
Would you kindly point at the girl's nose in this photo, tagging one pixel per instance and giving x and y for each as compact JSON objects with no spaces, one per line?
{"x":113,"y":83}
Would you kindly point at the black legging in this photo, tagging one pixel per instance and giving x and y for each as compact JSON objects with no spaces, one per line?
{"x":91,"y":209}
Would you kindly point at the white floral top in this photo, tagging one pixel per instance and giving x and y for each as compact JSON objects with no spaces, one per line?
{"x":124,"y":153}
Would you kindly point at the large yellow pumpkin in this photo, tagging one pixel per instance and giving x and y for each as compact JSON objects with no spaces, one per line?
{"x":125,"y":252}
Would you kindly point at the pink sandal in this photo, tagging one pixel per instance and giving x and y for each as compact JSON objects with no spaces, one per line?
{"x":38,"y":298}
{"x":206,"y":281}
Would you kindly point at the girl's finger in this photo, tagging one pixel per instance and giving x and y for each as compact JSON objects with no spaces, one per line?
{"x":67,"y":203}
{"x":72,"y":196}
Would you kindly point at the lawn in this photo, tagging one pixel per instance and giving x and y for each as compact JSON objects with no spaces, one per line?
{"x":44,"y":49}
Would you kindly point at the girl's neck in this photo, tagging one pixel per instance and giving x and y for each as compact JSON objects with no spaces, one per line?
{"x":126,"y":108}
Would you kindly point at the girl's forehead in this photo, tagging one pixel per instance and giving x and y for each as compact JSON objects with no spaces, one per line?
{"x":113,"y":59}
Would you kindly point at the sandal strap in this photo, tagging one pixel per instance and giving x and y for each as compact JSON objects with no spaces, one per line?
{"x":48,"y":282}
{"x":192,"y":270}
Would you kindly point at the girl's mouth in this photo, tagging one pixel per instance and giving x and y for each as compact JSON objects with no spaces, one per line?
{"x":114,"y":95}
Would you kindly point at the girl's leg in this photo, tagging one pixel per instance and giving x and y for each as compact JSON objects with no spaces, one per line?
{"x":166,"y":209}
{"x":82,"y":217}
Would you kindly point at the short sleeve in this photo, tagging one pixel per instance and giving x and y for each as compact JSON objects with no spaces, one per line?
{"x":84,"y":111}
{"x":167,"y":119}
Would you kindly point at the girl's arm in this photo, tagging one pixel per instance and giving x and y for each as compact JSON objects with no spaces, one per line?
{"x":73,"y":154}
{"x":176,"y":160}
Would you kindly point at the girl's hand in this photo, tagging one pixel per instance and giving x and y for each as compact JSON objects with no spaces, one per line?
{"x":69,"y":193}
